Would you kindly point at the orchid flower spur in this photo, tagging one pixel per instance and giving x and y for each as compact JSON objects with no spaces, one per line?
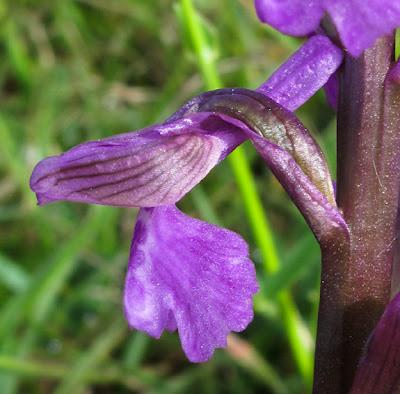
{"x":183,"y":273}
{"x":358,"y":22}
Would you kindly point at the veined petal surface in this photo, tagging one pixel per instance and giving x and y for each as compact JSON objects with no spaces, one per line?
{"x":155,"y":166}
{"x":190,"y":275}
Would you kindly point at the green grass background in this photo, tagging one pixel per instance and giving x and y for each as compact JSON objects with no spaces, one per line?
{"x":74,"y":70}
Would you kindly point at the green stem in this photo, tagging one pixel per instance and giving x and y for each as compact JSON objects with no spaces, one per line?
{"x":293,"y":325}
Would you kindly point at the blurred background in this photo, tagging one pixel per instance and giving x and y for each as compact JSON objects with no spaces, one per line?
{"x":75,"y":70}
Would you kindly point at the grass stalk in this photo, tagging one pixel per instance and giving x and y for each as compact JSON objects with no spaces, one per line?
{"x":296,"y":331}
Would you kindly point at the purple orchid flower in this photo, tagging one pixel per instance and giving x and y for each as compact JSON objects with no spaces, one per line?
{"x":183,"y":273}
{"x":358,"y":22}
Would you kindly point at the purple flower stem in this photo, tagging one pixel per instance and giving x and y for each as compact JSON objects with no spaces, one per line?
{"x":357,"y":274}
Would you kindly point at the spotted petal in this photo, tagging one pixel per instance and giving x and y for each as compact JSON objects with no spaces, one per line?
{"x":155,"y":166}
{"x":190,"y":275}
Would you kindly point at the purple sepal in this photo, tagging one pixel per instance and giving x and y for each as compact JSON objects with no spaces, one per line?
{"x":190,"y":275}
{"x":358,"y":22}
{"x":306,"y":71}
{"x":379,"y":369}
{"x":294,"y":17}
{"x":361,"y":22}
{"x":155,"y":166}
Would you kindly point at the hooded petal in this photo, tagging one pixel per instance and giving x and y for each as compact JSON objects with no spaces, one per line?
{"x":294,"y":17}
{"x":287,"y":148}
{"x":379,"y":369}
{"x":360,"y":22}
{"x":190,"y":275}
{"x":324,"y":218}
{"x":306,"y":71}
{"x":157,"y":165}
{"x":253,"y":113}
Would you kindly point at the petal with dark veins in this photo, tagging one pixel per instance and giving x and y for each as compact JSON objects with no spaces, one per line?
{"x":155,"y":166}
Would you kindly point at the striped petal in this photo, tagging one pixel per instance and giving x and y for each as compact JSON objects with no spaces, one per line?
{"x":155,"y":166}
{"x":188,"y":275}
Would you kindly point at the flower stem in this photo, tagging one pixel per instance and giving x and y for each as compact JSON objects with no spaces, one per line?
{"x":293,"y":325}
{"x":356,"y":278}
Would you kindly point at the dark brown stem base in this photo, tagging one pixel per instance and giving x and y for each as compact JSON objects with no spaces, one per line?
{"x":356,"y":274}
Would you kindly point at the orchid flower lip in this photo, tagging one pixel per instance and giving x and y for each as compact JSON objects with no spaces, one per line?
{"x":199,"y":280}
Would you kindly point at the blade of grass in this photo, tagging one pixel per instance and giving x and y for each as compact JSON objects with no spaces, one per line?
{"x":181,"y":383}
{"x":50,"y":370}
{"x":17,"y":52}
{"x":40,"y":298}
{"x":304,"y":256}
{"x":135,"y":350}
{"x":249,"y":359}
{"x":12,"y":275}
{"x":43,"y":297}
{"x":13,"y":160}
{"x":74,"y":381}
{"x":294,"y":327}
